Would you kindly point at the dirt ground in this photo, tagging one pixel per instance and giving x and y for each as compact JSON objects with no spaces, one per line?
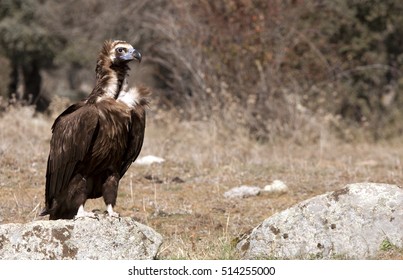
{"x":183,"y":198}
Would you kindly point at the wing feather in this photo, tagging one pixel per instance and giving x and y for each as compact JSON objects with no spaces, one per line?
{"x":136,"y":131}
{"x":73,"y":134}
{"x":136,"y":138}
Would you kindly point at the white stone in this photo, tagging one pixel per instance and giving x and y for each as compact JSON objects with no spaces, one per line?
{"x":242,"y":192}
{"x":354,"y":222}
{"x":148,"y":160}
{"x":106,"y":238}
{"x":276,"y":187}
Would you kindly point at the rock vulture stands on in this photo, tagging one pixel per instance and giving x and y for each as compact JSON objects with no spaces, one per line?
{"x":95,"y":140}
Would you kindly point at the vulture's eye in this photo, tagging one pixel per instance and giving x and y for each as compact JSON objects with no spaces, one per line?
{"x":120,"y":50}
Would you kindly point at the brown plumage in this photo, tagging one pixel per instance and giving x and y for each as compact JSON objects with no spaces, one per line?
{"x":95,"y":140}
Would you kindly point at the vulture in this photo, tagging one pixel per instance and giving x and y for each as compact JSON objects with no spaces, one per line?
{"x":95,"y":140}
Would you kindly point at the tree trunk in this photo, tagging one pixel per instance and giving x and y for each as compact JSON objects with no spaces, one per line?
{"x":32,"y":81}
{"x":25,"y":85}
{"x":14,"y":82}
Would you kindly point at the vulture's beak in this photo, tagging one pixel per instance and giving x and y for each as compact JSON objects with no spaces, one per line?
{"x":132,"y":54}
{"x":137,"y":55}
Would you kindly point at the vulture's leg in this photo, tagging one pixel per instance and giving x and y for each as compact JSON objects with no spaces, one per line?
{"x":110,"y":192}
{"x":78,"y":196}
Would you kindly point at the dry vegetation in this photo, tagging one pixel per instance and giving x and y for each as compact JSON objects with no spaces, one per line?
{"x":183,"y":197}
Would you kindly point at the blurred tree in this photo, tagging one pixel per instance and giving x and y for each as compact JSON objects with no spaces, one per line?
{"x":86,"y":25}
{"x":29,"y":46}
{"x":276,"y":64}
{"x":362,"y":43}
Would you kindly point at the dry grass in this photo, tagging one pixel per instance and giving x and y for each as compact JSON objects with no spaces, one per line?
{"x":183,"y":198}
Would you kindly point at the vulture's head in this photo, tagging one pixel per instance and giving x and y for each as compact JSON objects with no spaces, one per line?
{"x":119,"y":52}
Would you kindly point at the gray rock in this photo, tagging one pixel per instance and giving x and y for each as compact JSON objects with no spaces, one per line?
{"x":242,"y":192}
{"x":86,"y":238}
{"x":355,"y":222}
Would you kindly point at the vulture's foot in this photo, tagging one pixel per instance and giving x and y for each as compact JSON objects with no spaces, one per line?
{"x":81,"y":213}
{"x":112,"y":213}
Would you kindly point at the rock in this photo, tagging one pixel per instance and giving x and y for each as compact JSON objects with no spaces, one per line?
{"x":242,"y":192}
{"x":354,"y":222}
{"x":154,"y":179}
{"x":148,"y":160}
{"x":86,"y":238}
{"x":177,"y":180}
{"x":276,"y":187}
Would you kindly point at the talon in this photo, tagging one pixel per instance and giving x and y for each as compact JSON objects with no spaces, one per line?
{"x":112,"y":213}
{"x":81,"y":213}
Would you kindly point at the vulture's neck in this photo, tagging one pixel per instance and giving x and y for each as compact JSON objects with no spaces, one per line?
{"x":111,"y":80}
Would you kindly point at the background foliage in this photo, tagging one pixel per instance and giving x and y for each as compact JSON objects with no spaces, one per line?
{"x":294,"y":69}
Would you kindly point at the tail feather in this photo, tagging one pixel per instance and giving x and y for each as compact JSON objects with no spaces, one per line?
{"x":44,"y":212}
